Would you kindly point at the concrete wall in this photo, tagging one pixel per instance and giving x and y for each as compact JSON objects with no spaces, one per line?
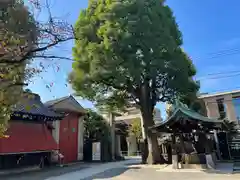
{"x":212,"y":107}
{"x":230,"y":107}
{"x":132,"y":145}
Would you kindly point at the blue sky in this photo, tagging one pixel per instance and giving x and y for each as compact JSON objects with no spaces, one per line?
{"x":211,"y":35}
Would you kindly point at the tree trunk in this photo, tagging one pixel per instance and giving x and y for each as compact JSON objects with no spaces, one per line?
{"x":152,"y":155}
{"x":147,"y":104}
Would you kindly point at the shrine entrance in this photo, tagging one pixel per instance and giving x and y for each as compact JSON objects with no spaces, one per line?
{"x":192,"y":137}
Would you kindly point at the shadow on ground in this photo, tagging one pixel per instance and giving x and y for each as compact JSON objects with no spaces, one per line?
{"x":109,"y":174}
{"x":216,"y":172}
{"x":44,"y":173}
{"x":221,"y":168}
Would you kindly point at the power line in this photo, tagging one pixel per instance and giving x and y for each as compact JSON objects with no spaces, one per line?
{"x":220,"y":77}
{"x":236,"y":51}
{"x":223,"y":51}
{"x":223,"y":90}
{"x":220,"y":73}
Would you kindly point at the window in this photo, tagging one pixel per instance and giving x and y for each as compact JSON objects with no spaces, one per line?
{"x":221,"y":108}
{"x":236,"y":104}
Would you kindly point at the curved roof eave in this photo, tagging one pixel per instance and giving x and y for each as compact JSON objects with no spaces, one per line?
{"x":189,"y":113}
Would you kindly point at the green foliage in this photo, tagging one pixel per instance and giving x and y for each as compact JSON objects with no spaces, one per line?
{"x":136,"y":129}
{"x":193,"y":102}
{"x":130,"y":51}
{"x":127,"y":49}
{"x":95,"y":126}
{"x":18,"y":34}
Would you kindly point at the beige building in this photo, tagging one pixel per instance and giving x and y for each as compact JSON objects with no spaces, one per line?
{"x":128,"y":117}
{"x":224,"y":105}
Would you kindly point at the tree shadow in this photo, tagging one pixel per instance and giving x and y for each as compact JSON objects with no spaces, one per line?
{"x":221,"y":168}
{"x":217,"y":172}
{"x":108,"y":174}
{"x":44,"y":173}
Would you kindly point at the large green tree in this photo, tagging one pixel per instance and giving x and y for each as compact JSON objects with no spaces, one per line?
{"x":131,"y":51}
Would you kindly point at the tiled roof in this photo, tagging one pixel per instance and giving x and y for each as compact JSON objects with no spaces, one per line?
{"x":52,"y":102}
{"x":194,"y":116}
{"x":73,"y":102}
{"x":31,"y":104}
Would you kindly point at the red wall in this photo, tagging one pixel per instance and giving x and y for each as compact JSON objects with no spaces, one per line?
{"x":27,"y":137}
{"x":68,"y":137}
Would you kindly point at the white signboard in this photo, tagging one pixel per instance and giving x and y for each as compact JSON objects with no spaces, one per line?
{"x":96,"y":151}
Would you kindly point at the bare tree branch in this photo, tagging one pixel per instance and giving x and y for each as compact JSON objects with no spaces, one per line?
{"x":53,"y":57}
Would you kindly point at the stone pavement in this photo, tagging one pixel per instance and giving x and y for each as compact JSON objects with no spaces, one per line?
{"x":129,"y":170}
{"x":221,"y":168}
{"x":147,"y":173}
{"x":86,"y":173}
{"x":76,"y":171}
{"x":43,"y":174}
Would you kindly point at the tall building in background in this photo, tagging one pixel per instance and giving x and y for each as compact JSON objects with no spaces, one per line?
{"x":225,"y":105}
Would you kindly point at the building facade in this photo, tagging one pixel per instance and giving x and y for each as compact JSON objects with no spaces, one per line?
{"x":128,"y":118}
{"x":69,"y":132}
{"x":28,"y":140}
{"x":224,"y":105}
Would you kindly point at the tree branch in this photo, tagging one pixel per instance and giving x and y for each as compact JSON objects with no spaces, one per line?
{"x":29,"y":53}
{"x":53,"y":57}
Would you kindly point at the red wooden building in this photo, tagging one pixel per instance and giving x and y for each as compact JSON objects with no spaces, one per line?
{"x":68,"y":132}
{"x":30,"y":141}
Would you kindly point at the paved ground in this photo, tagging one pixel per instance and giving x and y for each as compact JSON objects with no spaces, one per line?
{"x":147,"y":174}
{"x":44,"y":174}
{"x":125,"y":170}
{"x":77,"y":171}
